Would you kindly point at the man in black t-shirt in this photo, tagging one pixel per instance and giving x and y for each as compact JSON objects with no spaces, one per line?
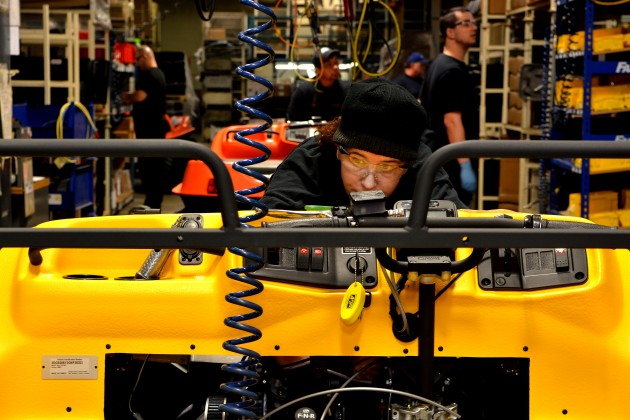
{"x":149,"y":108}
{"x":450,"y":98}
{"x":323,"y":97}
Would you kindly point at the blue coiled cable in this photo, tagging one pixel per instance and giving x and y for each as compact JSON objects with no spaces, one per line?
{"x":246,"y":368}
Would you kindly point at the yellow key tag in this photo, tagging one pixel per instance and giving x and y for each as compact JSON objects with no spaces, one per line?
{"x":352,"y":303}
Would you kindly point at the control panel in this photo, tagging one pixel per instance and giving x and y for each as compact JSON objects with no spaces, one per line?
{"x":338,"y":267}
{"x":319,"y":266}
{"x":532,"y":268}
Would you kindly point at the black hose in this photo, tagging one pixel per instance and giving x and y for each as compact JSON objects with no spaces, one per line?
{"x":205,"y":9}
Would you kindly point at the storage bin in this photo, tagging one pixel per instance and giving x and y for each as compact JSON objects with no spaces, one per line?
{"x":73,"y":190}
{"x":43,"y":120}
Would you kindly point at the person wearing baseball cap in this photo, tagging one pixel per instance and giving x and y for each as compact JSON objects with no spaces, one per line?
{"x":412,"y":78}
{"x":322,"y":98}
{"x":375,"y":144}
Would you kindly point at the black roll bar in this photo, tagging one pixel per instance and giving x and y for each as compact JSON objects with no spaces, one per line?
{"x":127,"y":148}
{"x":537,"y":149}
{"x":417,"y":234}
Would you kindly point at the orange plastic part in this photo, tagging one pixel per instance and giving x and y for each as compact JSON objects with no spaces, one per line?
{"x":198,"y":179}
{"x":180,"y":126}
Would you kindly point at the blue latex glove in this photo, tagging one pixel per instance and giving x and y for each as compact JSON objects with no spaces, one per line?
{"x":467,"y":176}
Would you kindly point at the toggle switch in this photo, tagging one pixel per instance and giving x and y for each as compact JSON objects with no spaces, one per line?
{"x":562,"y":259}
{"x":317,"y":258}
{"x":303,"y":258}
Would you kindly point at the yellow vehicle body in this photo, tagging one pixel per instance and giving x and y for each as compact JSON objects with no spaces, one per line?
{"x":576,"y":338}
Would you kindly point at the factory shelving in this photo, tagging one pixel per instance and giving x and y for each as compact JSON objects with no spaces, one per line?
{"x":222,"y":87}
{"x":591,"y":92}
{"x":491,"y":53}
{"x":511,"y":36}
{"x":44,"y":37}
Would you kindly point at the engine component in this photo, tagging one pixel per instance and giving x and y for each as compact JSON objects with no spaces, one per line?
{"x":421,"y":412}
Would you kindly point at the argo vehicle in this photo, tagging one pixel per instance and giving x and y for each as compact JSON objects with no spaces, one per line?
{"x":421,"y":311}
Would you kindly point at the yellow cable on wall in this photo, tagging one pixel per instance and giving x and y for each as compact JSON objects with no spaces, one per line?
{"x":61,"y":161}
{"x":356,"y":41}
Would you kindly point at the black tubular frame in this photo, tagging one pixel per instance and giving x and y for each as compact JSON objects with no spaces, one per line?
{"x":415,"y":235}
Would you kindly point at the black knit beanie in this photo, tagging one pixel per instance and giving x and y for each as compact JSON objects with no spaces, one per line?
{"x":381,"y":117}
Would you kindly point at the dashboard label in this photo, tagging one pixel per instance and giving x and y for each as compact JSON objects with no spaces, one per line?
{"x":356,"y":249}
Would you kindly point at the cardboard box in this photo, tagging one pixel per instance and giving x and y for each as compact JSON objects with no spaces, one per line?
{"x":515,"y":100}
{"x":121,"y":188}
{"x":508,"y":182}
{"x":605,"y":166}
{"x":497,"y":33}
{"x":598,"y":202}
{"x":215,"y":34}
{"x":125,"y":129}
{"x":57,"y":4}
{"x":624,"y":218}
{"x":539,"y":3}
{"x":515,"y":63}
{"x":496,"y":7}
{"x":515,"y":116}
{"x":515,"y":80}
{"x":517,"y":4}
{"x":608,"y":218}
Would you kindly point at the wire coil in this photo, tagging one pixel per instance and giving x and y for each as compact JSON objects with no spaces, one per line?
{"x":246,"y":368}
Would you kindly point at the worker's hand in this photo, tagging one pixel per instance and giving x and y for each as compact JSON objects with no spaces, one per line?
{"x":467,"y":176}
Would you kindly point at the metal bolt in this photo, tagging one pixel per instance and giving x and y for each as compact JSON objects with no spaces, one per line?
{"x":500,"y":281}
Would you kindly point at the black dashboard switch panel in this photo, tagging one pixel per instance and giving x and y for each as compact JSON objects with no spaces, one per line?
{"x":532,"y":268}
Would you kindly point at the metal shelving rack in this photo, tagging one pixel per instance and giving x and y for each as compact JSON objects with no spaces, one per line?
{"x":591,"y":67}
{"x":222,"y":87}
{"x":488,"y":51}
{"x":503,"y":129}
{"x":43,"y":36}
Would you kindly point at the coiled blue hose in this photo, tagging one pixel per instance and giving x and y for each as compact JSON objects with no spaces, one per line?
{"x":246,"y":368}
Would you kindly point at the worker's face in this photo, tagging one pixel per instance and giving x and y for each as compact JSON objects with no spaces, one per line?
{"x":365,"y":171}
{"x":465,"y":30}
{"x":330,"y":71}
{"x":141,"y":60}
{"x":418,"y":69}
